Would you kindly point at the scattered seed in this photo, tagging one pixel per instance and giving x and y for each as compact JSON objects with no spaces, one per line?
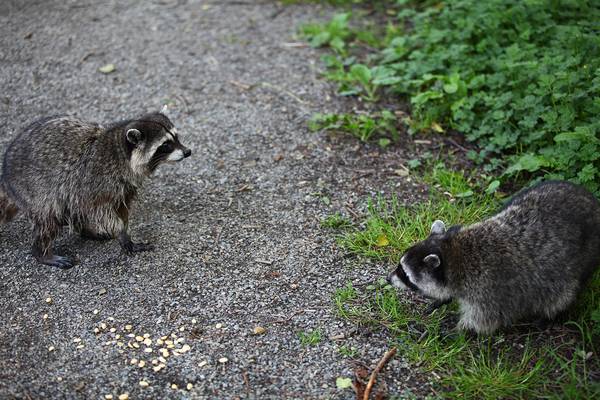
{"x":124,"y":396}
{"x":142,"y":364}
{"x":180,"y":340}
{"x":155,"y":362}
{"x":164,"y":337}
{"x":174,"y":386}
{"x":102,"y":291}
{"x":128,"y":327}
{"x":139,"y":338}
{"x":219,"y":326}
{"x":189,"y":386}
{"x":133,"y":361}
{"x":80,"y":346}
{"x":108,"y":396}
{"x":45,"y":316}
{"x":96,"y":330}
{"x":49,"y":300}
{"x":120,"y":344}
{"x":136,"y":345}
{"x":160,"y":342}
{"x":148,"y":350}
{"x":144,"y":384}
{"x":223,"y":360}
{"x":146,"y":335}
{"x":77,"y":340}
{"x":181,"y":328}
{"x":51,"y":348}
{"x":162,"y":360}
{"x":184,"y":348}
{"x":113,"y":329}
{"x":148,"y":342}
{"x":102,"y":326}
{"x":194,"y":320}
{"x":96,"y":311}
{"x":202,"y":363}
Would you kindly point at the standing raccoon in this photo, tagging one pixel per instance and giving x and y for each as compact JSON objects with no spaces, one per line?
{"x":528,"y":261}
{"x":64,"y":171}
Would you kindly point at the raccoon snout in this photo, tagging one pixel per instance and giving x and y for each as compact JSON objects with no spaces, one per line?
{"x":187,"y":152}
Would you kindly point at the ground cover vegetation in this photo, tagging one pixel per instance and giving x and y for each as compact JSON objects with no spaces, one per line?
{"x":521,"y":81}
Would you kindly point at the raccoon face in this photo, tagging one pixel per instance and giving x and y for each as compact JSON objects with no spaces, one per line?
{"x":421,"y":267}
{"x":152,"y":140}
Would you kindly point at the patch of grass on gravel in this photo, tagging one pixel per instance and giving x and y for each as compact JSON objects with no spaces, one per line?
{"x":521,"y":363}
{"x":311,"y":338}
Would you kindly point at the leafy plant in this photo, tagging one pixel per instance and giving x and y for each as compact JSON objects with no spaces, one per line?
{"x":311,"y":338}
{"x":363,"y":127}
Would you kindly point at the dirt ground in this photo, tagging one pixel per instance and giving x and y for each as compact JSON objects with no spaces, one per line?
{"x":236,"y":226}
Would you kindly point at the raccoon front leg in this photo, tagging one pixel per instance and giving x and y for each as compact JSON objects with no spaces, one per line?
{"x":124,"y":239}
{"x":89,"y":233}
{"x":44,"y":233}
{"x":431,"y":307}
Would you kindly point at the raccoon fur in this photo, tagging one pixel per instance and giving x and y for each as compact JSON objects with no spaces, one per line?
{"x":528,"y":261}
{"x":63,"y":171}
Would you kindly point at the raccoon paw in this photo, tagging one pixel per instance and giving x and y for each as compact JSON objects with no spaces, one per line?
{"x":57,"y":261}
{"x":132,"y":247}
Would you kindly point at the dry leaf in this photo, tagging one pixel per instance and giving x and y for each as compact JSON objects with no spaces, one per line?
{"x":107,"y":69}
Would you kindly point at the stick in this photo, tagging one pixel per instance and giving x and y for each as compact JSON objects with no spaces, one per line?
{"x":377,"y":369}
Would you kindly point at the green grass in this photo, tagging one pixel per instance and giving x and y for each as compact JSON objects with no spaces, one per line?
{"x":311,"y":338}
{"x":335,"y":221}
{"x":512,"y":365}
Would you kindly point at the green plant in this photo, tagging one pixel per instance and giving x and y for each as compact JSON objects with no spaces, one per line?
{"x":520,"y":78}
{"x":335,"y":221}
{"x":311,"y":338}
{"x":363,"y":127}
{"x":332,"y":34}
{"x":348,"y":351}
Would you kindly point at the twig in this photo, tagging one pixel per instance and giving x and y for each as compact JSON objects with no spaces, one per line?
{"x":241,"y":85}
{"x":377,"y":369}
{"x":280,"y":89}
{"x":453,"y":142}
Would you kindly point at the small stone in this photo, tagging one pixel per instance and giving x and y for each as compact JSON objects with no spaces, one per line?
{"x":223,"y":360}
{"x":51,"y":348}
{"x":189,"y":386}
{"x":144,"y":384}
{"x":49,"y":300}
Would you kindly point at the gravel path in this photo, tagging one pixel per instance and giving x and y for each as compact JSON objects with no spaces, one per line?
{"x":236,"y":225}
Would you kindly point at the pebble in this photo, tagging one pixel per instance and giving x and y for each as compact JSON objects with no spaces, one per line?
{"x":144,"y":384}
{"x":258,"y":330}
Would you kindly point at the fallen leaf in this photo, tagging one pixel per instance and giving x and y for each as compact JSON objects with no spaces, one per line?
{"x":382,"y":240}
{"x":437,"y":127}
{"x":343,"y":383}
{"x":258,"y":330}
{"x":107,"y":69}
{"x":401,"y":172}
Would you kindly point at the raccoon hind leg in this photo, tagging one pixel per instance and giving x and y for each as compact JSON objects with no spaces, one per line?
{"x":88,"y":232}
{"x":44,"y":233}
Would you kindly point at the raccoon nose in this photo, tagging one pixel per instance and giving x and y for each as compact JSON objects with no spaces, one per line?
{"x":187,"y":153}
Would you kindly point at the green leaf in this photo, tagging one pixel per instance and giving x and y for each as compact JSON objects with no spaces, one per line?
{"x":343,"y":383}
{"x":107,"y":69}
{"x":362,"y":73}
{"x":384,"y":142}
{"x":527,"y":162}
{"x":493,"y":186}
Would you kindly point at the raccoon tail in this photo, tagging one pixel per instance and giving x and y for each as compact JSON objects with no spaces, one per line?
{"x":8,"y":209}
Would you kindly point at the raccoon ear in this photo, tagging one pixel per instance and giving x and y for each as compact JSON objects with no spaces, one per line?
{"x":134,"y":136}
{"x":438,"y":227}
{"x":432,"y":261}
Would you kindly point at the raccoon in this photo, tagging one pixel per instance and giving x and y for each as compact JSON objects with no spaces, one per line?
{"x":61,"y":171}
{"x":528,"y":261}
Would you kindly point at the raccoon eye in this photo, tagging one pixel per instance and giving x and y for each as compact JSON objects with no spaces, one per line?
{"x":166,"y":147}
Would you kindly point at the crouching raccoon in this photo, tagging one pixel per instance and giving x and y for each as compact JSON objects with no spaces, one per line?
{"x":63,"y":171}
{"x":529,"y":261}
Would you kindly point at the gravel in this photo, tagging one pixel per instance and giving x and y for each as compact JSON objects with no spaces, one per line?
{"x":236,"y":226}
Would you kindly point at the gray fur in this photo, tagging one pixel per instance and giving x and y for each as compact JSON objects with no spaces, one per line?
{"x":528,"y":261}
{"x":63,"y":171}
